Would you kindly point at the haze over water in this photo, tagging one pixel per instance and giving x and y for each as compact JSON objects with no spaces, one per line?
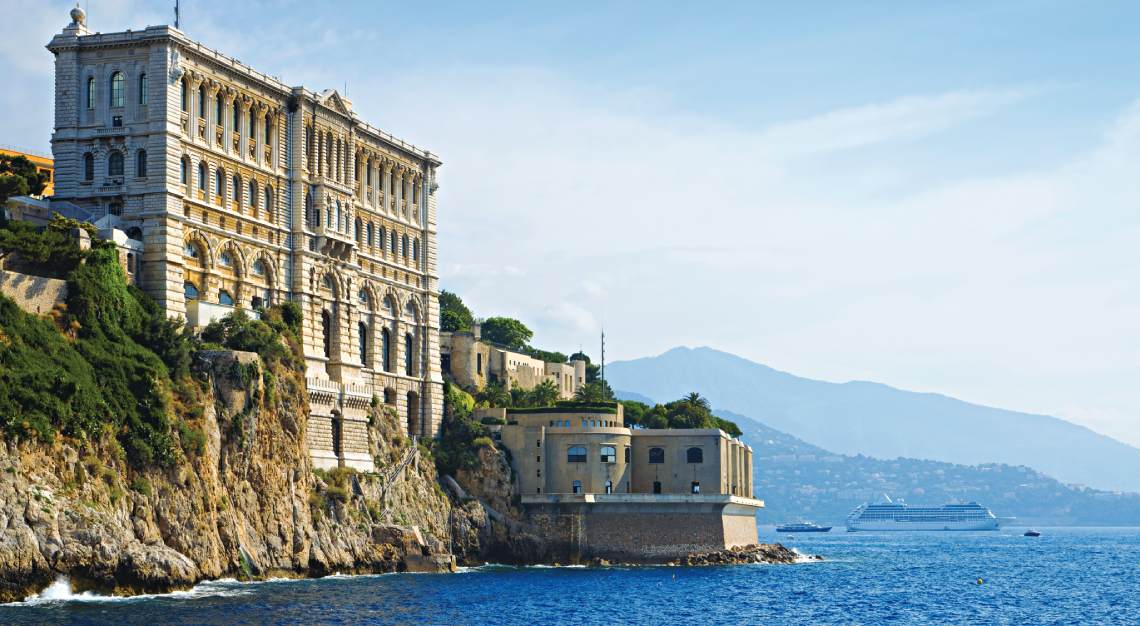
{"x":1067,"y":576}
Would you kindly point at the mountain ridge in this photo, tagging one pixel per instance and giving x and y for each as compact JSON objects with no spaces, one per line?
{"x":876,"y":419}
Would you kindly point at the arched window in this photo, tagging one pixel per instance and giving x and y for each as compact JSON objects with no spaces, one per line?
{"x":389,"y":396}
{"x":91,"y":93}
{"x":657,"y":455}
{"x":225,"y":299}
{"x":362,"y":331}
{"x":357,"y":230}
{"x":577,"y":486}
{"x":404,"y":246}
{"x":268,"y":131}
{"x":327,"y":282}
{"x":184,"y":170}
{"x":220,"y":184}
{"x":268,"y":202}
{"x":142,"y":88}
{"x":576,"y":454}
{"x":386,"y":349}
{"x":189,"y":290}
{"x":609,"y":486}
{"x":236,"y":118}
{"x":202,"y":101}
{"x":258,"y":268}
{"x":140,"y":164}
{"x":236,"y":180}
{"x":88,"y":166}
{"x":182,"y":96}
{"x":382,"y":238}
{"x":117,"y":90}
{"x":253,"y":195}
{"x":409,"y":354}
{"x":225,"y":259}
{"x":191,"y":251}
{"x":115,"y":163}
{"x":609,"y":454}
{"x":329,"y":218}
{"x":115,"y":208}
{"x":202,"y":184}
{"x":134,"y":232}
{"x":363,"y":295}
{"x":312,"y":218}
{"x":416,"y":249}
{"x":694,"y":455}
{"x":326,"y":332}
{"x":369,"y":239}
{"x":219,"y":116}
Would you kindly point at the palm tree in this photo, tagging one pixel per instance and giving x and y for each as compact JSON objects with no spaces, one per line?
{"x":545,"y":394}
{"x":695,"y":399}
{"x":496,"y":395}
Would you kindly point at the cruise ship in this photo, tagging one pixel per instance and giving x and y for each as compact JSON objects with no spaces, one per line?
{"x":895,"y":516}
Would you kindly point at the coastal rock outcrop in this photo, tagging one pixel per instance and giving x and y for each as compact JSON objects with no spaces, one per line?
{"x":759,"y":553}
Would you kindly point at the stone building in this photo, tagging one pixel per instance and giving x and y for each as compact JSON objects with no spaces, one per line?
{"x":565,"y":450}
{"x":615,"y":492}
{"x":472,"y":363}
{"x":245,"y":191}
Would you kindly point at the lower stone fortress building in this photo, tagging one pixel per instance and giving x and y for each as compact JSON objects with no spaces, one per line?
{"x":607,"y":491}
{"x":245,"y":191}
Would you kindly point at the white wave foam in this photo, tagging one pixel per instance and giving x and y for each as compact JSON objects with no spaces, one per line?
{"x":60,"y":592}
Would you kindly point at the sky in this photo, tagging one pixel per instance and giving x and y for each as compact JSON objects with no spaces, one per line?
{"x":942,"y":197}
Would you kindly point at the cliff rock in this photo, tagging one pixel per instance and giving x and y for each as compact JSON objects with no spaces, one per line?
{"x":242,"y":501}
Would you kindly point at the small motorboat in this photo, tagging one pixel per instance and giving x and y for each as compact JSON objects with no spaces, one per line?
{"x":1032,"y":533}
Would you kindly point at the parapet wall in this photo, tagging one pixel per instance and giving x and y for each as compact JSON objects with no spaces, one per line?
{"x":34,"y":294}
{"x":636,"y":530}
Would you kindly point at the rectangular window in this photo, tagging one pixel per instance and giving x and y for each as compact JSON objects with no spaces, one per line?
{"x":696,"y":487}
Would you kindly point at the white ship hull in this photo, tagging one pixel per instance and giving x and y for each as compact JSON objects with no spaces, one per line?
{"x":881,"y":525}
{"x":893,"y":516}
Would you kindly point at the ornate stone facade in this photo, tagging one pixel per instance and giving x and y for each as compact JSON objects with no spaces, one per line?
{"x":246,"y":191}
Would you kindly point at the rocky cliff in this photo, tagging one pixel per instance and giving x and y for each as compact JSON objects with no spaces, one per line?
{"x":244,"y":501}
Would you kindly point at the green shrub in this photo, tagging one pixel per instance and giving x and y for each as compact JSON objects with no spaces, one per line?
{"x":336,"y":494}
{"x":193,"y":440}
{"x":141,"y":485}
{"x":483,"y":442}
{"x":491,"y":421}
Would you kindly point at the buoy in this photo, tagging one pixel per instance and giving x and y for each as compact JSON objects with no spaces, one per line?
{"x":980,"y":581}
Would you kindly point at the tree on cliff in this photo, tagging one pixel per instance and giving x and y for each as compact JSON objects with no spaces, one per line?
{"x":494,"y":395}
{"x":454,"y":316}
{"x":19,"y":177}
{"x":692,"y":411}
{"x":595,"y":391}
{"x":51,"y":250}
{"x":507,"y":332}
{"x":545,"y":394}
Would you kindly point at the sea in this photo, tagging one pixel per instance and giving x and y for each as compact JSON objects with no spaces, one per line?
{"x":1066,"y":576}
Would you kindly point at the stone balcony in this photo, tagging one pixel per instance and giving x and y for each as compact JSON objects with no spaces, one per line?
{"x":334,"y":243}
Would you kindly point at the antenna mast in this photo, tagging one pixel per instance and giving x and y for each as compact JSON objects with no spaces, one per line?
{"x":603,"y":371}
{"x":176,"y":14}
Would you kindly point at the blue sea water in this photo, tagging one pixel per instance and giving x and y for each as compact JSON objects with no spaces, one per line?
{"x":1067,"y":576}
